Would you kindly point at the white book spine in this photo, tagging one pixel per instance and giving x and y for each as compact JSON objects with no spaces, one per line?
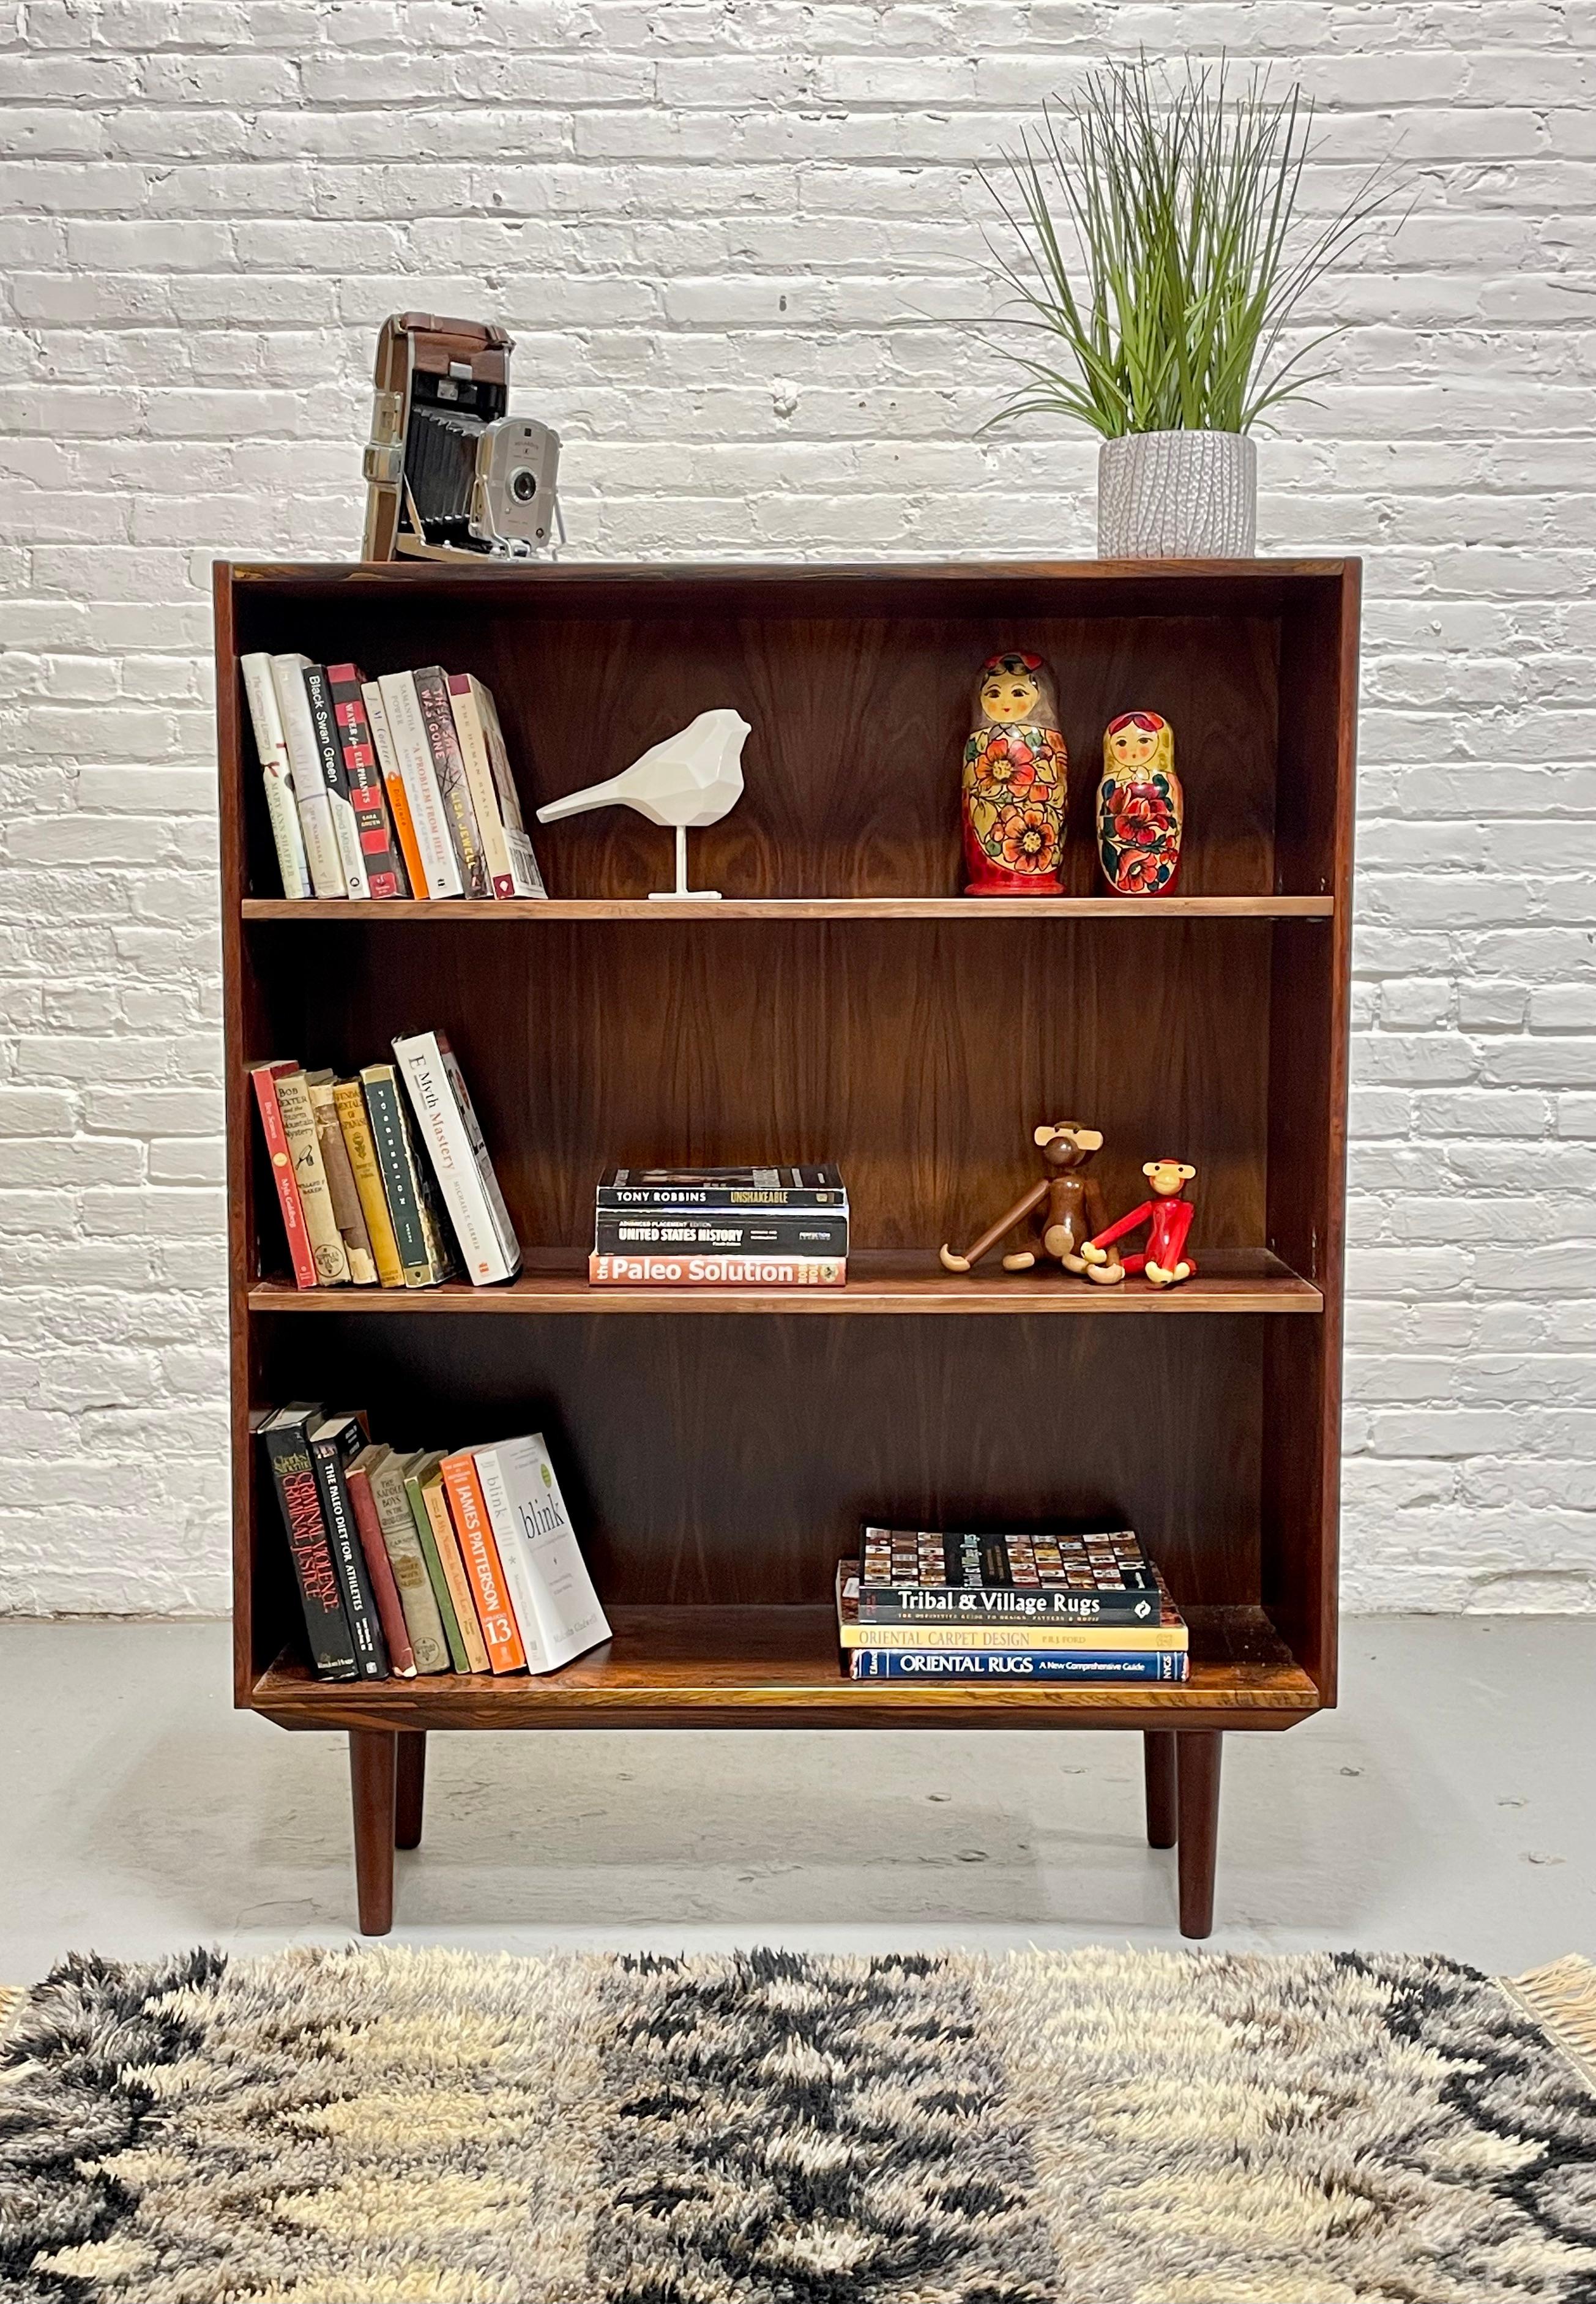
{"x":512,"y":1555}
{"x":498,"y":1213}
{"x":309,"y":782}
{"x":504,"y":844}
{"x":409,"y":732}
{"x":442,"y":1128}
{"x":529,"y":880}
{"x":537,"y":1536}
{"x":391,"y":769}
{"x":280,"y":806}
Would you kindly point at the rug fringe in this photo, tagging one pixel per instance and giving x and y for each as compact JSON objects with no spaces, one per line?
{"x":1562,"y":2000}
{"x":12,"y":1997}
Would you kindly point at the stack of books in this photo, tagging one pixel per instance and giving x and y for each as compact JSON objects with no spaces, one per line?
{"x":360,"y":1203}
{"x":918,"y":1605}
{"x":419,"y":1562}
{"x":381,"y":788}
{"x":720,"y":1228}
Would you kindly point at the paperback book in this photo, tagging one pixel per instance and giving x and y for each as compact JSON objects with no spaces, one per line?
{"x":911,"y":1576}
{"x":714,"y":1189}
{"x":1167,"y":1635}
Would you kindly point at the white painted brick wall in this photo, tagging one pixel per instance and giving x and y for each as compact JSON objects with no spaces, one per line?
{"x":732,"y":241}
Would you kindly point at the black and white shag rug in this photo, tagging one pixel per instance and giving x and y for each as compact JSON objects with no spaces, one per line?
{"x":363,"y":2127}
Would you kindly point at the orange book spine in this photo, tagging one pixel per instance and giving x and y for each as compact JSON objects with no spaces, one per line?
{"x":469,"y":1513}
{"x":392,"y":784}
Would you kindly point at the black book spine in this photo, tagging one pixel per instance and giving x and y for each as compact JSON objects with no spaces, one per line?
{"x":321,"y":1587}
{"x":705,"y":1201}
{"x":371,"y":1650}
{"x":903,"y":1605}
{"x":741,"y":1233}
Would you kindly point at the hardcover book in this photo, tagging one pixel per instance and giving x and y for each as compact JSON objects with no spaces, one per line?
{"x":423,"y":1474}
{"x":335,"y":1443}
{"x":336,"y":776}
{"x":342,"y":1194}
{"x":555,"y":1606}
{"x":264,"y":1078}
{"x":511,"y":868}
{"x":495,"y":1610}
{"x":910,"y":1576}
{"x":285,"y":1441}
{"x":350,"y":1104}
{"x":310,"y":1175}
{"x":456,"y":1575}
{"x":1167,"y":1636}
{"x":448,"y":766}
{"x":423,"y":1250}
{"x":287,"y":833}
{"x":384,"y":866}
{"x":993,"y":1664}
{"x":407,"y":1557}
{"x":394,"y":786}
{"x":446,"y":1120}
{"x":390,"y":1610}
{"x":310,"y":780}
{"x":642,"y":1269}
{"x":722,"y":1188}
{"x":742,"y":1234}
{"x":428,"y":812}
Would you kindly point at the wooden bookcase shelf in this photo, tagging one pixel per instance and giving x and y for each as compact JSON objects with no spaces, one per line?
{"x":720,"y":1448}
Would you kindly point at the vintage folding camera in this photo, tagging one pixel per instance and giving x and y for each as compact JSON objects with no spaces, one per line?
{"x":448,"y":470}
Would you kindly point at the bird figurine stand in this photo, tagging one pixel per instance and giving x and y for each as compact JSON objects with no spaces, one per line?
{"x":1013,"y":781}
{"x":1167,"y":1215}
{"x":690,"y":779}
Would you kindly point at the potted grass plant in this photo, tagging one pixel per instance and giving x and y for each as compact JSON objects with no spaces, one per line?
{"x":1170,"y":326}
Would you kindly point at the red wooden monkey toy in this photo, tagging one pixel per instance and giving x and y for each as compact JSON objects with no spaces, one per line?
{"x":1167,"y":1215}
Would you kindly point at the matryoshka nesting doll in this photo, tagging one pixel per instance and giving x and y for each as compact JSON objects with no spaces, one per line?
{"x":1014,"y":770}
{"x":1140,"y":809}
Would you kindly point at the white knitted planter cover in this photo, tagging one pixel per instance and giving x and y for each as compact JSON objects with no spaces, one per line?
{"x":1178,"y":495}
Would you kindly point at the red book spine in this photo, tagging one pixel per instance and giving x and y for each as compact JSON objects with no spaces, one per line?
{"x":299,"y":1252}
{"x":390,"y":1608}
{"x":384,"y":866}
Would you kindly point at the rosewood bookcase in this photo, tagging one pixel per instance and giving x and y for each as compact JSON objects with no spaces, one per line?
{"x":843,"y":1002}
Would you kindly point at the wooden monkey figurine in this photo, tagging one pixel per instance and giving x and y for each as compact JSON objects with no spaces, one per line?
{"x":1140,"y":806}
{"x":1066,"y":1206}
{"x":1013,"y":789}
{"x":1167,"y":1215}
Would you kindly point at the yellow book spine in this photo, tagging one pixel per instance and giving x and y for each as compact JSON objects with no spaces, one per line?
{"x":351,"y":1107}
{"x":456,"y":1575}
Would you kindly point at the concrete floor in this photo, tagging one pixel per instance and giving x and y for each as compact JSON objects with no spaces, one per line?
{"x":1449,"y":1806}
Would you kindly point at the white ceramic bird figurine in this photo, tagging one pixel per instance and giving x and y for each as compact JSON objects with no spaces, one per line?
{"x":693,"y":778}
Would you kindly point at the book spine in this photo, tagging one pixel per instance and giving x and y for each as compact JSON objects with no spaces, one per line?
{"x":904,"y":1604}
{"x":309,"y":784}
{"x":420,"y":1251}
{"x":447,"y":1124}
{"x":396,"y":1632}
{"x":336,"y":777}
{"x":509,"y":799}
{"x":456,"y":1575}
{"x":301,"y":1256}
{"x":412,"y":1578}
{"x":513,"y":1551}
{"x":442,"y":1596}
{"x":432,"y":696}
{"x":997,"y":1664}
{"x":1068,"y":1641}
{"x":350,"y":1105}
{"x":736,"y":1235}
{"x":299,"y":1127}
{"x":345,"y":1201}
{"x":495,"y":1610}
{"x":724,"y":1200}
{"x":299,"y":1500}
{"x":441,"y":865}
{"x":272,"y":751}
{"x":392,"y":784}
{"x":691,"y":1271}
{"x":359,"y":1602}
{"x":478,"y":782}
{"x":384,"y":866}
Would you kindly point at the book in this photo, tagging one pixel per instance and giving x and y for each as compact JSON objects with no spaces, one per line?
{"x":272,"y":751}
{"x":997,"y":1664}
{"x":407,"y":1557}
{"x":742,"y":1233}
{"x":336,"y":776}
{"x":396,"y":1632}
{"x":908,"y":1576}
{"x":1167,"y":1636}
{"x":309,"y":783}
{"x":448,"y":766}
{"x":555,"y":1605}
{"x":335,"y":1441}
{"x":263,"y":1080}
{"x":424,"y":1469}
{"x":511,"y":868}
{"x":643,"y":1270}
{"x":408,"y":731}
{"x":342,"y":1197}
{"x":394,"y":786}
{"x":384,"y":866}
{"x":462,"y":1591}
{"x":721,"y":1187}
{"x":495,"y":1611}
{"x":447,"y":1124}
{"x":285,"y":1442}
{"x":310,"y":1175}
{"x":423,"y":1251}
{"x":350,"y":1104}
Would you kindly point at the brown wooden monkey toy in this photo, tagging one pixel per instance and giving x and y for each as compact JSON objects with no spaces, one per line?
{"x":1067,"y":1207}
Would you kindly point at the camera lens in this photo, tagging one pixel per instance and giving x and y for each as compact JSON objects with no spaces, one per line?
{"x":524,"y":486}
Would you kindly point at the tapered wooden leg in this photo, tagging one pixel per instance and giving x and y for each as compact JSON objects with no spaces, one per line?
{"x":1158,"y":1756}
{"x":371,"y":1764}
{"x":1198,"y":1770}
{"x":409,"y":1785}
